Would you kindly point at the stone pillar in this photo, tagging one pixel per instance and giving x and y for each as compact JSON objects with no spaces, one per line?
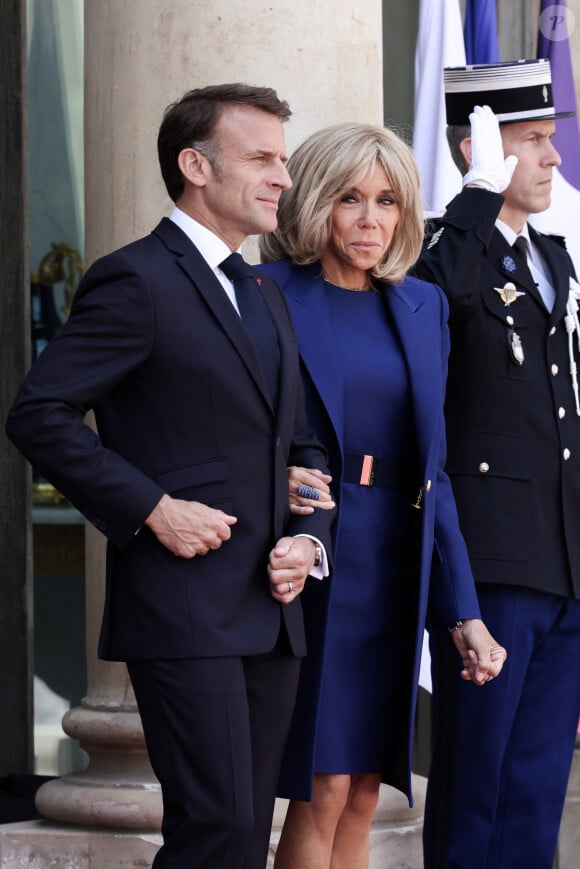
{"x":118,"y":788}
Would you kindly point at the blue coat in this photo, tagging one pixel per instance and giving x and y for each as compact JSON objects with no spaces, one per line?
{"x":446,"y":588}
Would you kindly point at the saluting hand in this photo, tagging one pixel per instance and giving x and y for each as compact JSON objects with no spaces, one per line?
{"x":489,"y":168}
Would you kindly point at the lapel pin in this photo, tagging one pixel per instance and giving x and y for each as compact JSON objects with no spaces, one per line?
{"x":259,"y":281}
{"x":508,"y":263}
{"x":508,"y":293}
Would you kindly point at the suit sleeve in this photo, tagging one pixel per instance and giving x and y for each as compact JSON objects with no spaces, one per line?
{"x":108,"y":335}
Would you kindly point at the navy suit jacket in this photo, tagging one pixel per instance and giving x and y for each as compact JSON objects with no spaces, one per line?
{"x":512,"y":429}
{"x":445,"y":582}
{"x":156,"y":348}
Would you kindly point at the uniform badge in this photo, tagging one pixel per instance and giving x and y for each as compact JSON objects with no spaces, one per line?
{"x":508,"y":263}
{"x":515,"y":347}
{"x":435,"y":238}
{"x":508,"y":293}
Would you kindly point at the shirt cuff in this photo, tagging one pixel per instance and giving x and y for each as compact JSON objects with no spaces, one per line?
{"x":322,"y":570}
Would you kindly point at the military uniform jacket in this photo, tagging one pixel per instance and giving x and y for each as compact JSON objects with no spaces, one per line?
{"x":513,"y":431}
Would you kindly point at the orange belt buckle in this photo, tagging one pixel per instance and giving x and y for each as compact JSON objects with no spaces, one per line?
{"x":367,"y":474}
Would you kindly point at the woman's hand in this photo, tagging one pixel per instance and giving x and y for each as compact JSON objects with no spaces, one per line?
{"x":483,"y":657}
{"x":305,"y":503}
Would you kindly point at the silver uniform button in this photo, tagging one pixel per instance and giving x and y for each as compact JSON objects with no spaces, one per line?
{"x":566,"y":453}
{"x":552,"y":331}
{"x":428,"y":486}
{"x":554,"y":369}
{"x":509,"y":320}
{"x":561,"y":412}
{"x":483,"y":468}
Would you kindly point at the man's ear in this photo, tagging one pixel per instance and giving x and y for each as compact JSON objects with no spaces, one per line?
{"x":194,"y":167}
{"x":465,"y":148}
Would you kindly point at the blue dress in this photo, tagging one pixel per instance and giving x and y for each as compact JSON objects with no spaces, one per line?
{"x":374,"y":585}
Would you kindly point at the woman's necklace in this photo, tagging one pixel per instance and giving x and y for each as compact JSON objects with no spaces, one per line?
{"x":342,"y":287}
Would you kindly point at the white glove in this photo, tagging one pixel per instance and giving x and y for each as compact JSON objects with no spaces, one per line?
{"x":488,"y":167}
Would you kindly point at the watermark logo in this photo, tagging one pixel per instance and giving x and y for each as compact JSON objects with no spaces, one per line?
{"x":557,"y":23}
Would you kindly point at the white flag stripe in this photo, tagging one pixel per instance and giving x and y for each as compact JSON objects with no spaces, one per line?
{"x":439,"y":44}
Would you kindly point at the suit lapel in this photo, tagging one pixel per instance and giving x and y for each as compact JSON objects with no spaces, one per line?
{"x":211,"y":291}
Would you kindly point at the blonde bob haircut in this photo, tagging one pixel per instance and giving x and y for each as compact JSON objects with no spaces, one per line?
{"x":326,"y":166}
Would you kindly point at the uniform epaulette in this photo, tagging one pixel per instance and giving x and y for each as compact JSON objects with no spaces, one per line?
{"x":559,"y":239}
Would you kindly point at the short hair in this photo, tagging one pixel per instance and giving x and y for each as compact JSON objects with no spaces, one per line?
{"x":329,"y":163}
{"x":191,"y":121}
{"x":456,"y":133}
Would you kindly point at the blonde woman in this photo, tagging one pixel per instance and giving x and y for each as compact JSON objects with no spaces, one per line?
{"x":374,"y":348}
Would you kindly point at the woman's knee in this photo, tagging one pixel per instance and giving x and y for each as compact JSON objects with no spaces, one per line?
{"x":330,"y":793}
{"x":364,"y":794}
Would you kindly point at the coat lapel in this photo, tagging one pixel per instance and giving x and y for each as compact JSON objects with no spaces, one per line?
{"x":557,"y":261}
{"x":318,"y":346}
{"x":503,"y":258}
{"x":201,"y":275}
{"x":415,"y":324}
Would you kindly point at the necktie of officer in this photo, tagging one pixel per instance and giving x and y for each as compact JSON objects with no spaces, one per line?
{"x":256,"y":318}
{"x":520,"y":247}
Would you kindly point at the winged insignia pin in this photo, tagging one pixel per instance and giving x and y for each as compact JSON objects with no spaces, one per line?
{"x":508,"y":293}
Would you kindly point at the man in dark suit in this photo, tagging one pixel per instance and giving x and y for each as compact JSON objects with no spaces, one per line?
{"x":195,"y":384}
{"x":501,"y":760}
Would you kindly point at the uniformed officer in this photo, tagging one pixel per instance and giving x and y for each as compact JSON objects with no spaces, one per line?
{"x":502,"y":757}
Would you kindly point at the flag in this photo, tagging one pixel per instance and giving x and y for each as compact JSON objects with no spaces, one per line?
{"x":439,"y":44}
{"x":480,"y":32}
{"x":555,"y":26}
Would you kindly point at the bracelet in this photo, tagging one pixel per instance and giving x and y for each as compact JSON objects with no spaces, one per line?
{"x":458,"y":624}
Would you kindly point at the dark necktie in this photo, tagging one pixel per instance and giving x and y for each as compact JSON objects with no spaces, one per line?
{"x":520,"y":247}
{"x":256,"y":318}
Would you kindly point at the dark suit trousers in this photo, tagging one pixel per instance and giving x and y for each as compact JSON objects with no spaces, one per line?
{"x":502,"y":752}
{"x":215,"y":730}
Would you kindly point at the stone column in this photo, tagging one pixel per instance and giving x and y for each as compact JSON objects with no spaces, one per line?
{"x":118,"y":788}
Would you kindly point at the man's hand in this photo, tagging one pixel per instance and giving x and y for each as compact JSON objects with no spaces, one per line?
{"x":482,"y":657}
{"x":489,"y":168}
{"x":314,"y":479}
{"x":189,"y":528}
{"x":291,"y":560}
